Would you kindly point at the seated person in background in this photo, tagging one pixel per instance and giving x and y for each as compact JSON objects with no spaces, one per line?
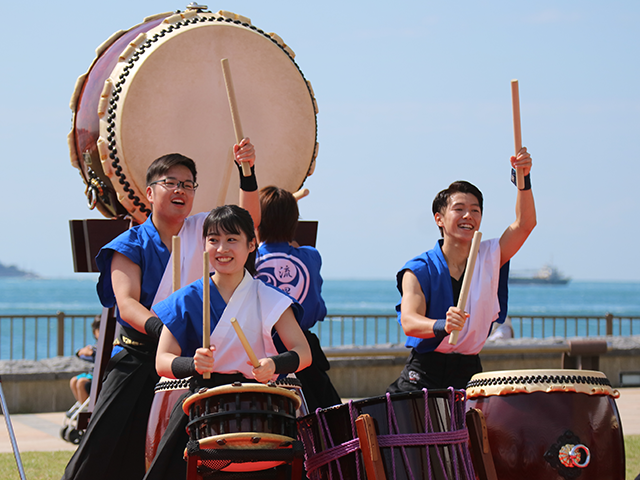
{"x":81,"y":384}
{"x":296,"y":271}
{"x":430,"y":286}
{"x":234,"y":293}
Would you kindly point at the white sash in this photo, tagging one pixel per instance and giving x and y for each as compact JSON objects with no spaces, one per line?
{"x":257,"y":308}
{"x":191,"y":248}
{"x":483,"y":306}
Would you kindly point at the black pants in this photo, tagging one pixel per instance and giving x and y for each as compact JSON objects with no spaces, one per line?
{"x":436,"y":370}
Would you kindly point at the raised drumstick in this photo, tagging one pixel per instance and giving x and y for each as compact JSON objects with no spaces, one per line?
{"x":245,"y":343}
{"x":233,"y":106}
{"x":206,"y":307}
{"x":303,"y":192}
{"x":466,"y":282}
{"x":517,"y":134}
{"x":175,"y":250}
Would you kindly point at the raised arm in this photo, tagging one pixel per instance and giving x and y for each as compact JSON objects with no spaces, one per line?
{"x":170,"y":363}
{"x":413,"y":308}
{"x":293,"y":339}
{"x":515,"y":235}
{"x":126,"y":278}
{"x":249,"y":196}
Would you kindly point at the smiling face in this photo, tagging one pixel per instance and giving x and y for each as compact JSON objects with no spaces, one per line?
{"x":228,"y":252}
{"x":461,"y":217}
{"x":172,"y":203}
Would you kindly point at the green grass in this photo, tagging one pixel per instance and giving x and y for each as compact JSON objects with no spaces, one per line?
{"x":50,"y":465}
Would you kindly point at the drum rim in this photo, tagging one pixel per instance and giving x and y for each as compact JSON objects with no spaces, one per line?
{"x":234,"y":388}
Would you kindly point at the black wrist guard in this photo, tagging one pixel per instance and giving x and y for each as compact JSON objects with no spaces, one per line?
{"x":153,"y":327}
{"x":287,"y":362}
{"x":438,"y":329}
{"x":250,"y":183}
{"x":527,"y":180}
{"x":183,"y":367}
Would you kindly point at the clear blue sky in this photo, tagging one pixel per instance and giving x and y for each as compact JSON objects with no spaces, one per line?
{"x":412,"y":96}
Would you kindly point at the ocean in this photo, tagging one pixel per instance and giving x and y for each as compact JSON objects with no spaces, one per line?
{"x":350,"y":297}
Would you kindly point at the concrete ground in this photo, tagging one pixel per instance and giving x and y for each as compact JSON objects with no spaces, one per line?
{"x":41,"y":431}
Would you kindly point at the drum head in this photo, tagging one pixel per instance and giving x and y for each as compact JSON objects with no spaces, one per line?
{"x":166,"y":94}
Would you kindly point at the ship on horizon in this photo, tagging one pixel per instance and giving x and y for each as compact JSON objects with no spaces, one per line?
{"x":547,"y":275}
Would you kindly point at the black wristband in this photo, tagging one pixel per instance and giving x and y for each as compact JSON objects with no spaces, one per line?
{"x":287,"y":362}
{"x":250,"y":183}
{"x":438,"y":329}
{"x":183,"y":367}
{"x":527,"y":180}
{"x":153,"y":326}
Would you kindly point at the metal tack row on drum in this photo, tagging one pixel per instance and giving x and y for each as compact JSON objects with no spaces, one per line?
{"x":158,"y":88}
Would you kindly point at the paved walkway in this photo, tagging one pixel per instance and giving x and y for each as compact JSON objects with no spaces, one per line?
{"x":41,"y":431}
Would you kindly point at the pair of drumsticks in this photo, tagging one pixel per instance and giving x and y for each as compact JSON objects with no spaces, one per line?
{"x":477,"y":236}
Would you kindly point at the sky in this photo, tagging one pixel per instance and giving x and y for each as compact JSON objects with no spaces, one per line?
{"x":412,"y":96}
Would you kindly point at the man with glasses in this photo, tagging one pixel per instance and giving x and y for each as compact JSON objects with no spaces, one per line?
{"x":132,"y":267}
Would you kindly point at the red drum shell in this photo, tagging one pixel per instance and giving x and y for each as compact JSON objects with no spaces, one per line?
{"x":167,"y":394}
{"x":522,"y":427}
{"x":409,"y":411}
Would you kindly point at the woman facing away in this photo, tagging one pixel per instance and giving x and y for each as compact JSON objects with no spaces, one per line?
{"x":234,"y":293}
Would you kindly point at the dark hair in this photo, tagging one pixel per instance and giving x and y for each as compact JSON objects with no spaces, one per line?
{"x":161,"y":166}
{"x":235,"y":220}
{"x":442,"y":198}
{"x":95,"y":325}
{"x":279,"y":210}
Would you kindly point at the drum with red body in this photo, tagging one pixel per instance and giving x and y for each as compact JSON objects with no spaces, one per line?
{"x":158,"y":88}
{"x":550,"y":424}
{"x":421,"y":434}
{"x":243,"y":416}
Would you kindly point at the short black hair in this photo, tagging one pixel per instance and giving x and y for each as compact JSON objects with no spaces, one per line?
{"x":279,"y":215}
{"x":460,"y":186}
{"x":163,"y":164}
{"x":235,"y":220}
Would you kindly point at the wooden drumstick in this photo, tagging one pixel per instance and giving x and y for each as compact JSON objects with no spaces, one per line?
{"x":233,"y":106}
{"x":517,"y":134}
{"x":466,"y":282}
{"x":303,"y":192}
{"x":245,"y":343}
{"x":206,"y":308}
{"x":175,"y":250}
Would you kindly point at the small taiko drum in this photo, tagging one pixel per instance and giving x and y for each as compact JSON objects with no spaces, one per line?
{"x":550,"y":424}
{"x":158,"y":88}
{"x":167,"y":393}
{"x":243,"y":416}
{"x":420,"y":434}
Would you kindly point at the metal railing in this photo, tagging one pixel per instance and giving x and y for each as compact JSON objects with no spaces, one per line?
{"x":35,"y":337}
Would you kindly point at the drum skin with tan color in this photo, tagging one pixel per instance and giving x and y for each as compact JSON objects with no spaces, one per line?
{"x":158,"y":88}
{"x":550,"y":424}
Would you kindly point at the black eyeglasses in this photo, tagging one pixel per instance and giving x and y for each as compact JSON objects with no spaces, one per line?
{"x":173,"y":184}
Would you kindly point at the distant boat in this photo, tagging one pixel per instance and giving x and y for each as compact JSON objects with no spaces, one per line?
{"x":547,"y":275}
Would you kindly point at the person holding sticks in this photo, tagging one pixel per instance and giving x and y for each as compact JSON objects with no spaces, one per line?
{"x":431,"y":283}
{"x":233,"y":294}
{"x":131,"y":268}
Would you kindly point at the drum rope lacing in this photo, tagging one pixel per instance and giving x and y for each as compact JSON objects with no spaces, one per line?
{"x":458,"y":438}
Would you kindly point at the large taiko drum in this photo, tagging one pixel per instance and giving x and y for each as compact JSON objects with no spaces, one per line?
{"x":550,"y":424}
{"x":420,"y":434}
{"x":243,"y":416}
{"x":158,"y":88}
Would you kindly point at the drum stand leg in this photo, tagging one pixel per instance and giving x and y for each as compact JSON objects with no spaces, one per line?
{"x":12,"y":436}
{"x":480,"y":449}
{"x":369,"y":447}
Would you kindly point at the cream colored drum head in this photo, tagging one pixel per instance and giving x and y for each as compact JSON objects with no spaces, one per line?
{"x":167,"y":95}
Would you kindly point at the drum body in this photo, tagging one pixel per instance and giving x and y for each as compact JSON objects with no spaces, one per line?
{"x":167,"y":394}
{"x":243,"y":416}
{"x":550,"y":424}
{"x":397,"y":416}
{"x":158,"y":88}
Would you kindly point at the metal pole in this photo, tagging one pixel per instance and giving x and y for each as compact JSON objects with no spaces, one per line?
{"x":14,"y":443}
